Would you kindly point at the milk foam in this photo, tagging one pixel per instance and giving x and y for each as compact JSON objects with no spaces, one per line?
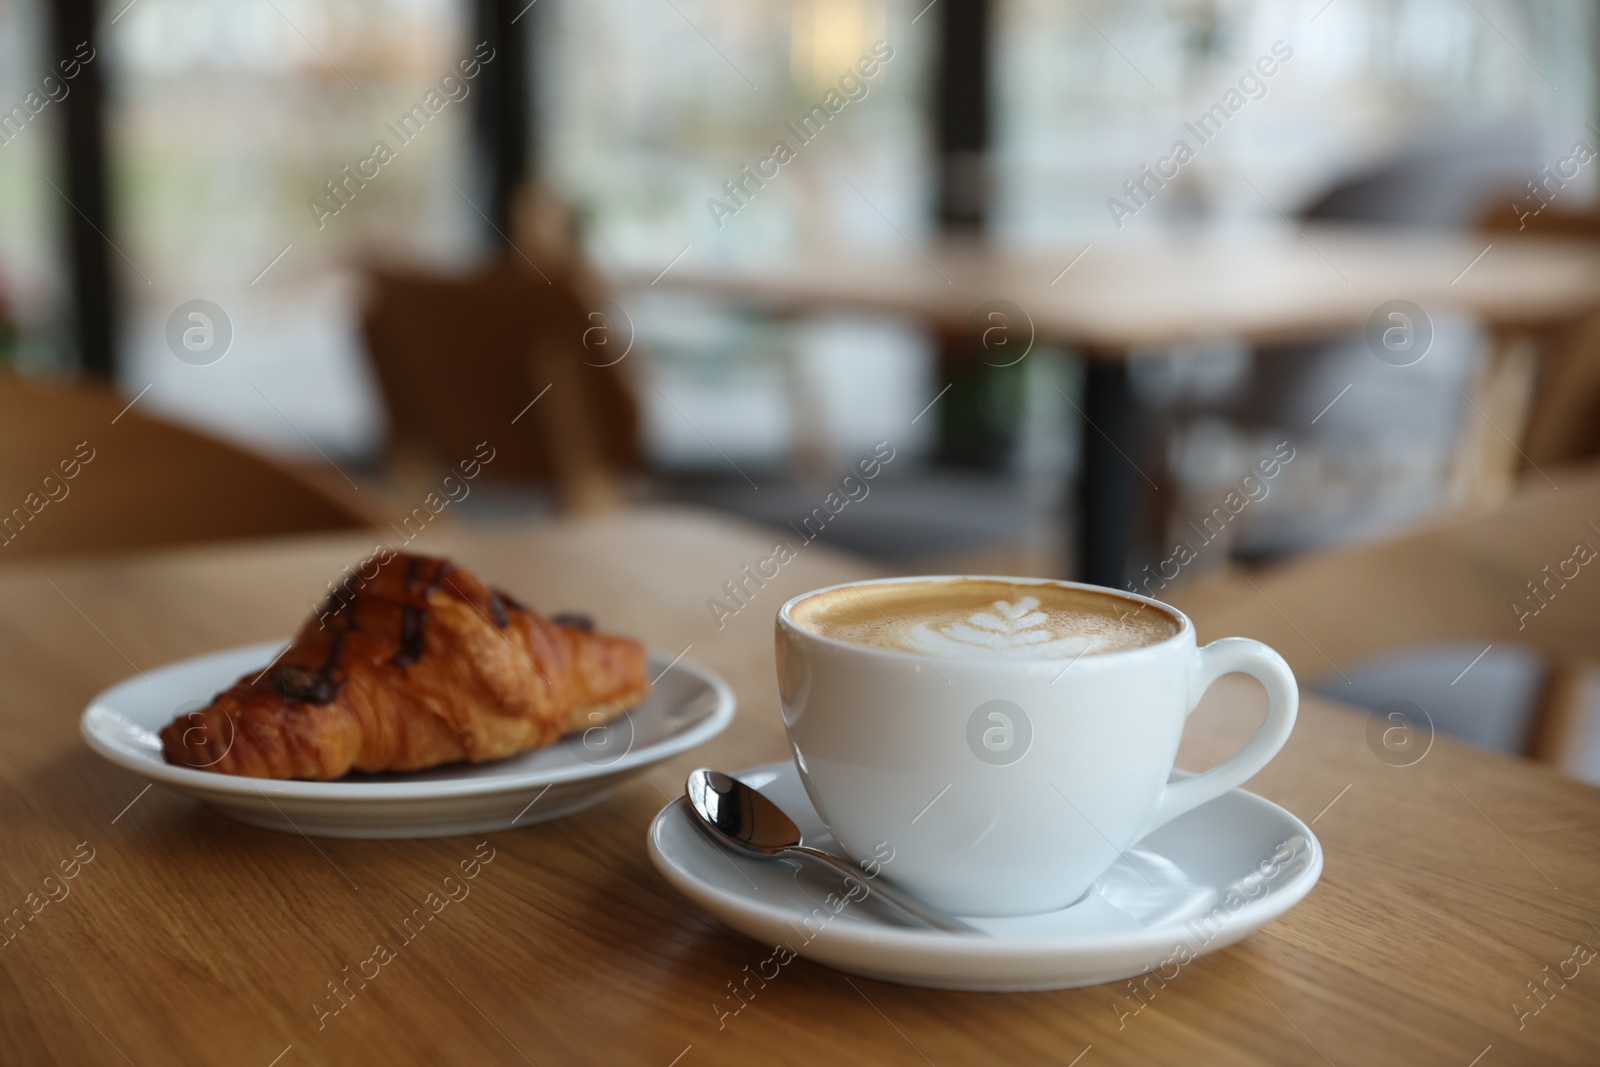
{"x":1008,"y":630}
{"x":984,"y":618}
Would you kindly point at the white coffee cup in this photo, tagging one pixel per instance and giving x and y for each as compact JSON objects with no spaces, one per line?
{"x":1008,"y":786}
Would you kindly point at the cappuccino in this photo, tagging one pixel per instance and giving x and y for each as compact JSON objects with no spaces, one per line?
{"x":984,"y":618}
{"x":950,"y":717}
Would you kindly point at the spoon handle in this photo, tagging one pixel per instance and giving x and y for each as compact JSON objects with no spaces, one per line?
{"x":898,"y":901}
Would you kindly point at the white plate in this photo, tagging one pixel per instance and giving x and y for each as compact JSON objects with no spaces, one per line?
{"x":1203,"y":881}
{"x":688,"y":705}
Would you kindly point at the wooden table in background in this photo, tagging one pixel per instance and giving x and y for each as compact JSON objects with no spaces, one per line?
{"x":1122,"y":294}
{"x":190,"y":939}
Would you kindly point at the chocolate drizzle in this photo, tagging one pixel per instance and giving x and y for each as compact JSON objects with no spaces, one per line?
{"x":330,"y":663}
{"x":444,"y":568}
{"x":497,"y":609}
{"x":297,"y":683}
{"x":413,"y":626}
{"x":573,"y":619}
{"x":414,"y":619}
{"x":352,"y":597}
{"x":313,"y":687}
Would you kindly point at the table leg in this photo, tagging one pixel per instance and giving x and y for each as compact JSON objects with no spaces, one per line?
{"x":1109,"y":484}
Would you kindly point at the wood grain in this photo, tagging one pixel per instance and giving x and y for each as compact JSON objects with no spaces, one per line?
{"x":191,"y":939}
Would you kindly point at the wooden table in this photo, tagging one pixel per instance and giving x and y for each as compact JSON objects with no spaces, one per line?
{"x":190,"y":939}
{"x":1127,"y":293}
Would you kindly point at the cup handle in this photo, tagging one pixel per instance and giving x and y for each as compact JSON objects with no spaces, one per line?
{"x":1233,"y":655}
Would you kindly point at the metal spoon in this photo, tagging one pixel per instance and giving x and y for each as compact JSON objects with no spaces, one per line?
{"x":746,"y":820}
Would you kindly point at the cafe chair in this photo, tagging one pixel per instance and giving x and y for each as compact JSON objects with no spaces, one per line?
{"x":1561,"y":390}
{"x":505,"y":360}
{"x":1526,"y":575}
{"x":81,"y":471}
{"x":1411,"y":446}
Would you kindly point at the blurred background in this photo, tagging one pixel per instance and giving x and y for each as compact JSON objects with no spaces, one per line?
{"x":319,"y":253}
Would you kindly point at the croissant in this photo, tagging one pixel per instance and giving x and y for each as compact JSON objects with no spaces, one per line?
{"x":421,"y":664}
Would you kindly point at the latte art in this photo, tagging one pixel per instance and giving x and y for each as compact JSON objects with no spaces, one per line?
{"x":1016,"y":631}
{"x":984,"y":618}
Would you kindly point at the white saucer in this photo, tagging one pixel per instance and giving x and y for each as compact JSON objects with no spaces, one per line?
{"x":687,"y":706}
{"x":1204,"y":881}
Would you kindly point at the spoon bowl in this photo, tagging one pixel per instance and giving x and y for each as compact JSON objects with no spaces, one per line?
{"x":741,"y":814}
{"x":746,"y":820}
